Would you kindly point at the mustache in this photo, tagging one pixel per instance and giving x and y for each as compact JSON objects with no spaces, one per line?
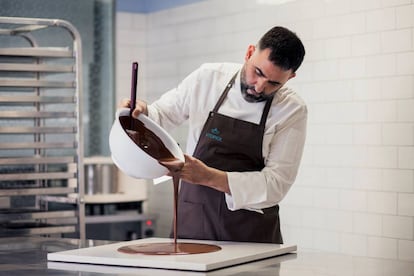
{"x":245,"y":87}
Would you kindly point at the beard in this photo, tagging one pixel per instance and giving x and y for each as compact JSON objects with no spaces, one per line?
{"x":251,"y":98}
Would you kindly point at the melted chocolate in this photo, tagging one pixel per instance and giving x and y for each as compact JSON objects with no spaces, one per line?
{"x":180,"y":248}
{"x":147,"y":140}
{"x":153,"y":146}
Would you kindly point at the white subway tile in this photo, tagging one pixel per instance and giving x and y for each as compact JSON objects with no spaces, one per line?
{"x":366,"y":44}
{"x":337,"y":7}
{"x":398,"y":227}
{"x":340,"y":134}
{"x":404,"y":16}
{"x":353,"y":244}
{"x":167,"y":34}
{"x":405,"y":64}
{"x":326,"y":198}
{"x":325,"y":70}
{"x":163,"y":52}
{"x":382,"y":111}
{"x":348,"y":112}
{"x":399,"y":134}
{"x":351,"y":24}
{"x":367,"y":89}
{"x":370,"y":224}
{"x":314,"y":218}
{"x":124,"y":20}
{"x":338,"y":220}
{"x":161,"y":69}
{"x":382,"y":248}
{"x":318,"y":112}
{"x":357,"y":156}
{"x":306,"y":10}
{"x":406,"y":157}
{"x":406,"y":204}
{"x":125,"y":54}
{"x":382,"y":157}
{"x":382,"y":65}
{"x":365,"y":5}
{"x":315,"y":49}
{"x":398,"y":87}
{"x":328,"y":91}
{"x":367,"y":179}
{"x":396,"y":41}
{"x":139,"y":21}
{"x":389,"y":3}
{"x":352,"y":68}
{"x":398,"y":180}
{"x":338,"y":91}
{"x":157,"y":19}
{"x":338,"y":156}
{"x":326,"y":240}
{"x":382,"y":202}
{"x":316,"y":134}
{"x":325,"y":28}
{"x":381,"y":19}
{"x":338,"y":47}
{"x":353,"y":200}
{"x":367,"y":134}
{"x":406,"y":250}
{"x":405,"y":111}
{"x":131,"y":37}
{"x":339,"y":177}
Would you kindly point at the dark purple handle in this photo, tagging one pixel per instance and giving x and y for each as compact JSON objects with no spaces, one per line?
{"x":134,"y":82}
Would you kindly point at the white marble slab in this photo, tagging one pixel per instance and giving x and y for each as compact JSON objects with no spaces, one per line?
{"x":232,"y":253}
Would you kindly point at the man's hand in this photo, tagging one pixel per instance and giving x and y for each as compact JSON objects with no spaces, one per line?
{"x":140,"y":107}
{"x":196,"y":172}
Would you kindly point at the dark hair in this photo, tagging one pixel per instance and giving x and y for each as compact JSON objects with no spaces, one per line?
{"x":286,"y":48}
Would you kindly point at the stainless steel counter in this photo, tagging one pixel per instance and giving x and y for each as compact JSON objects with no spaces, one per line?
{"x":28,"y":256}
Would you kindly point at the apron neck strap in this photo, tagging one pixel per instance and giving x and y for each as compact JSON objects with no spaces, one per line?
{"x":266,"y":111}
{"x":225,"y":92}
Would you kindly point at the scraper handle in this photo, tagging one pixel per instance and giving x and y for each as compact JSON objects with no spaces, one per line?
{"x":134,"y":81}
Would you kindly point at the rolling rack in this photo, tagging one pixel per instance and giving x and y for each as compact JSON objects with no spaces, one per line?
{"x":41,"y":144}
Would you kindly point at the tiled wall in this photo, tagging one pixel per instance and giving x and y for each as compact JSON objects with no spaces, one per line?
{"x":355,"y":190}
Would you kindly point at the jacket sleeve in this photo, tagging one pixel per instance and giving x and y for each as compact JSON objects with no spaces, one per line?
{"x":283,"y":148}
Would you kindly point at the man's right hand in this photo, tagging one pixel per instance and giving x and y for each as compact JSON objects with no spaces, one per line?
{"x":140,"y":107}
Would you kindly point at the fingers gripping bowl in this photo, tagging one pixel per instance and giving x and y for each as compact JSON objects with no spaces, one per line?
{"x":130,"y":157}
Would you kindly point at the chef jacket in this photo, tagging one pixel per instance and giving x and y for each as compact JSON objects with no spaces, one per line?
{"x":283,"y":140}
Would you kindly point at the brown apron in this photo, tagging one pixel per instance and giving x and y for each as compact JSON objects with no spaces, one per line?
{"x":230,"y":145}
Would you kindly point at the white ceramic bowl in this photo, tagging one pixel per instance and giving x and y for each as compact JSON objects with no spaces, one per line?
{"x":130,"y":158}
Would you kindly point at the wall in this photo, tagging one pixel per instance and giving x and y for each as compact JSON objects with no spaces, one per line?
{"x":355,"y":190}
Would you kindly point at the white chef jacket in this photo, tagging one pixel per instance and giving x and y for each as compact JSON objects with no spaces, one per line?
{"x":283,"y":140}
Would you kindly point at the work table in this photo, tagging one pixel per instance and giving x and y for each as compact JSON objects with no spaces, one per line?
{"x":28,"y":256}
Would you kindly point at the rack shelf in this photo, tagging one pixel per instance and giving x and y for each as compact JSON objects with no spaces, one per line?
{"x":41,"y":154}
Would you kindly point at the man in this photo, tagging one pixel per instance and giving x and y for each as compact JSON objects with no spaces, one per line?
{"x":246,"y":136}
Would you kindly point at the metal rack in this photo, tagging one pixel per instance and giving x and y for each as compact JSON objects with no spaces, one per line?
{"x":41,"y":144}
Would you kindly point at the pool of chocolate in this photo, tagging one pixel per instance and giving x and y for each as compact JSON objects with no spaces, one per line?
{"x":150,"y":143}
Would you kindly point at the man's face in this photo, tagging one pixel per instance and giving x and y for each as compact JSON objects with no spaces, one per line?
{"x":260,"y":78}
